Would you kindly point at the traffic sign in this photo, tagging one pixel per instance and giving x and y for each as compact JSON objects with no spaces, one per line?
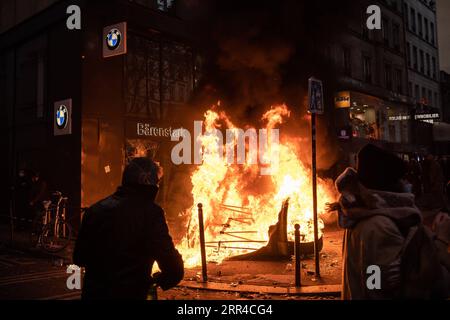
{"x":315,"y":96}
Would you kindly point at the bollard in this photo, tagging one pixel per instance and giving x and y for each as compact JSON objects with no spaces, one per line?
{"x":11,"y":219}
{"x":298,"y":265}
{"x":202,"y":242}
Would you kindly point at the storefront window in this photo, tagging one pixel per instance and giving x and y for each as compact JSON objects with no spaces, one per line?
{"x":398,"y":124}
{"x":375,"y":119}
{"x":363,"y":120}
{"x":137,"y":148}
{"x":158,"y":75}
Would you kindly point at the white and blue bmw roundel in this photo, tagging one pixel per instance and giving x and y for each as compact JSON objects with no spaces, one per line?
{"x":113,"y":39}
{"x":62,"y":115}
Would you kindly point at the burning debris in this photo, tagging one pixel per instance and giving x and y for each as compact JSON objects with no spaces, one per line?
{"x":239,"y":205}
{"x":278,"y":247}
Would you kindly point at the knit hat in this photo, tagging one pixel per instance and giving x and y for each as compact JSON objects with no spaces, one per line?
{"x":380,"y":169}
{"x":142,"y":171}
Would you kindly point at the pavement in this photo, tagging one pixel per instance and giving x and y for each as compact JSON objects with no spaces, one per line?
{"x":28,"y":273}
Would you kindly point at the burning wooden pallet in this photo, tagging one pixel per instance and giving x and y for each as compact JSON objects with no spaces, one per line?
{"x":277,"y":248}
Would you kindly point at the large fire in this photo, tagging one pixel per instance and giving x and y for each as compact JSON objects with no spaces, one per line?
{"x":239,"y":204}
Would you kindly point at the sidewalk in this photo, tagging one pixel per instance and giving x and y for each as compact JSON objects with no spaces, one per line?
{"x":275,"y":277}
{"x":21,"y":241}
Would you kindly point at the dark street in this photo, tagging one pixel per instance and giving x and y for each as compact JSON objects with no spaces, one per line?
{"x":27,"y":277}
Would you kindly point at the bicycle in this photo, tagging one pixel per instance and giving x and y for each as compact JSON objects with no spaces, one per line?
{"x":50,"y":231}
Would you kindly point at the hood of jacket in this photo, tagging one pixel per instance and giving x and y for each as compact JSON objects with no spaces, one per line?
{"x":358,"y":202}
{"x":148,"y":192}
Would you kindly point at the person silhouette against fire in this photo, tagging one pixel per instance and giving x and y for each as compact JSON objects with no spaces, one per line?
{"x":122,"y":236}
{"x":388,"y":252}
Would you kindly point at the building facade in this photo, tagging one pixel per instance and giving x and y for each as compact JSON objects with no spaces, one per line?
{"x":445,"y":96}
{"x":373,"y":103}
{"x":121,"y":106}
{"x":422,"y":54}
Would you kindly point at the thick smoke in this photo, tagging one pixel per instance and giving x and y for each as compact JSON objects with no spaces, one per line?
{"x":259,"y":53}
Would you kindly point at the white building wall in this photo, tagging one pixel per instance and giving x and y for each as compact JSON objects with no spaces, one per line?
{"x":425,"y":44}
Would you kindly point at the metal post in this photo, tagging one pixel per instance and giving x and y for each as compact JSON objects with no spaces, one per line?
{"x":202,"y":242}
{"x":298,"y":265}
{"x":63,"y":215}
{"x":11,"y":215}
{"x":314,"y":189}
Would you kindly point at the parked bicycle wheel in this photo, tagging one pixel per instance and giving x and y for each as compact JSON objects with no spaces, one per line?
{"x":56,"y":236}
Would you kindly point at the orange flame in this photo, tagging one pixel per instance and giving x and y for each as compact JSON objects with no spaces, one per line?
{"x":238,"y":204}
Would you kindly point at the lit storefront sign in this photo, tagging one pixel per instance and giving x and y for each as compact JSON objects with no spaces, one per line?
{"x":427,"y":117}
{"x":62,"y":111}
{"x":115,"y":40}
{"x":342,"y":100}
{"x":399,"y":118}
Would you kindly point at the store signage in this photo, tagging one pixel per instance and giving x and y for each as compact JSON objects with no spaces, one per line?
{"x":115,"y":40}
{"x":345,"y":133}
{"x":62,"y":112}
{"x":142,"y":129}
{"x":427,"y":116}
{"x":342,"y":100}
{"x":421,"y":117}
{"x":147,"y":130}
{"x":399,"y":118}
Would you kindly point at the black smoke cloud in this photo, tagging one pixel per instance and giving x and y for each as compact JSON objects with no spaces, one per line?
{"x":261,"y":53}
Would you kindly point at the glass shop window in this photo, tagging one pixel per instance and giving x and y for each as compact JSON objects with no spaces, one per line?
{"x":364,"y":124}
{"x":139,"y":148}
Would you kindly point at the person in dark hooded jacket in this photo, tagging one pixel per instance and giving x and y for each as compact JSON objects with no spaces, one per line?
{"x":122,"y":236}
{"x":384,"y":229}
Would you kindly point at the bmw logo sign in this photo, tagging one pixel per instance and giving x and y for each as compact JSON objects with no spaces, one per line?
{"x":62,"y":115}
{"x":113,"y":39}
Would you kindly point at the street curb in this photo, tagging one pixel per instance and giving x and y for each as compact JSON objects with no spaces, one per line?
{"x":321,"y":290}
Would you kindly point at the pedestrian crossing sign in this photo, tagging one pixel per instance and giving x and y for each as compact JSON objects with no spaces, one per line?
{"x":315,"y":96}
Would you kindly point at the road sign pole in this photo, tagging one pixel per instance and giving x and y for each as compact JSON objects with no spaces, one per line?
{"x":315,"y":97}
{"x":314,"y":190}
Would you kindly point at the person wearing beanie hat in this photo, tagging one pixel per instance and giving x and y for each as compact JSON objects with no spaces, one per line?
{"x":384,"y":232}
{"x":142,"y":172}
{"x":122,"y":236}
{"x":379,"y":169}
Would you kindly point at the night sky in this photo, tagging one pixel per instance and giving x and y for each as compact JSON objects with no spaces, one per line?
{"x":443,"y":11}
